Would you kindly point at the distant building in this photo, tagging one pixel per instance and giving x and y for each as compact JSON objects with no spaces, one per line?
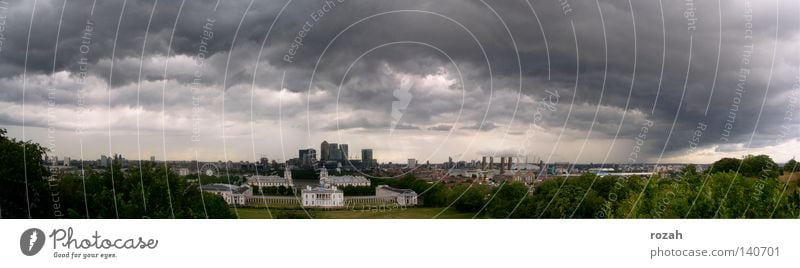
{"x":152,"y":158}
{"x":233,"y":195}
{"x":183,"y":172}
{"x":308,"y":157}
{"x":344,"y":153}
{"x":272,"y":180}
{"x":341,"y":181}
{"x":324,"y":151}
{"x":333,"y":151}
{"x":322,"y":197}
{"x":404,"y":197}
{"x":366,"y":158}
{"x":525,"y":176}
{"x":412,"y":163}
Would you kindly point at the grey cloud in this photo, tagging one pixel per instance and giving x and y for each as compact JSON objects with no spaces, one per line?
{"x":491,"y":97}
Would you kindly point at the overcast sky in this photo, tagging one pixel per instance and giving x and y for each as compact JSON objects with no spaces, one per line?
{"x":234,"y":80}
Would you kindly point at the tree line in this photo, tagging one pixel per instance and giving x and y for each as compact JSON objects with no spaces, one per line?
{"x":149,"y":191}
{"x":732,"y":188}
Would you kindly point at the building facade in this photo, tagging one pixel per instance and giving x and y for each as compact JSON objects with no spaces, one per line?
{"x":405,"y":197}
{"x":341,"y":181}
{"x":366,"y":158}
{"x":232,"y":194}
{"x":308,"y":157}
{"x":272,"y":180}
{"x":324,"y":151}
{"x":412,"y":163}
{"x":344,"y":151}
{"x":322,"y":197}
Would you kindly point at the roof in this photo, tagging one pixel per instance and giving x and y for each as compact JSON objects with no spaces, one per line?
{"x":267,"y":179}
{"x":220,"y":187}
{"x":396,"y":190}
{"x":347,"y":179}
{"x":320,"y":190}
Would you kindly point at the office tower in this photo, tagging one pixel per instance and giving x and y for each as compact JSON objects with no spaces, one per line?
{"x":343,"y":150}
{"x":509,"y":163}
{"x":412,"y":163}
{"x":333,"y":151}
{"x":324,"y":151}
{"x":491,"y":162}
{"x":483,"y":163}
{"x":366,"y":158}
{"x":308,"y":157}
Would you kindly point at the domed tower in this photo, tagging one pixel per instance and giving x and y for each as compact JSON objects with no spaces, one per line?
{"x":323,"y":177}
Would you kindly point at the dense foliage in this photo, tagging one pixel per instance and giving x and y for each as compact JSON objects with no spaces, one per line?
{"x":23,"y":191}
{"x":791,"y":166}
{"x":151,"y":191}
{"x":754,"y":192}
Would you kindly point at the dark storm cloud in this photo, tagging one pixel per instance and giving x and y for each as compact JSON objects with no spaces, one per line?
{"x":388,"y":41}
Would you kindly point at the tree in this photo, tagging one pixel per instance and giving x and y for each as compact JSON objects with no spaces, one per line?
{"x":505,"y":199}
{"x":23,"y":189}
{"x":216,"y":208}
{"x":472,"y":200}
{"x":690,"y":170}
{"x":759,"y":166}
{"x":725,"y":165}
{"x":791,"y":166}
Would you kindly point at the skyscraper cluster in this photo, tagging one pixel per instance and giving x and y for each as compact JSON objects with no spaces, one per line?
{"x":333,"y":152}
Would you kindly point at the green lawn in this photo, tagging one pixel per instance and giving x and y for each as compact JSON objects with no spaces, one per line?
{"x":397,"y":213}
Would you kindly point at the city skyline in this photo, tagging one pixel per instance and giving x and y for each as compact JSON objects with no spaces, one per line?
{"x":634,"y":82}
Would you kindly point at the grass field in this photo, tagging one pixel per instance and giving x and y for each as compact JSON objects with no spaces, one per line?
{"x":790,"y":176}
{"x":397,"y":213}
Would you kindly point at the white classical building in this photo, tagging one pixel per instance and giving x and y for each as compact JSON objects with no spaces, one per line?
{"x":323,"y":197}
{"x":406,"y":197}
{"x":341,"y":181}
{"x":233,"y":195}
{"x":272,"y":180}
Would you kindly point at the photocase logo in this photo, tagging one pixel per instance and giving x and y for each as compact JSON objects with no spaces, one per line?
{"x":403,"y":95}
{"x":31,"y":241}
